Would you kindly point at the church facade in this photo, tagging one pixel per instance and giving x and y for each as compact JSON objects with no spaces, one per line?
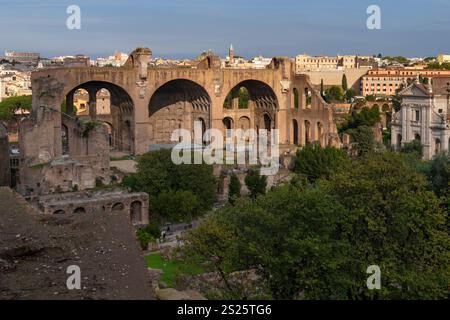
{"x":424,"y":116}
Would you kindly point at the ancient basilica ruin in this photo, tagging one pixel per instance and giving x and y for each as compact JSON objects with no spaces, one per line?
{"x":63,"y":149}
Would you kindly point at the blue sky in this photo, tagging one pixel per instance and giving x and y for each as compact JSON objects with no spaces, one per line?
{"x":184,"y":28}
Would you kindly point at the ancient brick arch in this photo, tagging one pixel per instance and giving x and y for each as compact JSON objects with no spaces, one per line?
{"x":95,"y":202}
{"x":261,"y":104}
{"x":177,"y":104}
{"x":148,"y":111}
{"x":120,"y":118}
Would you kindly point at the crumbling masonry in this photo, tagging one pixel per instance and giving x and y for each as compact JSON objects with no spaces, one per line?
{"x":60,"y":152}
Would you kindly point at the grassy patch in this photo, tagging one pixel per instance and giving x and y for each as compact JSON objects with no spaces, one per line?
{"x":172,"y":269}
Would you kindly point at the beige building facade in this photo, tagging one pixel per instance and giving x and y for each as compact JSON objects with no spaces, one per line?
{"x":443,"y":58}
{"x":305,"y":63}
{"x":386,"y":82}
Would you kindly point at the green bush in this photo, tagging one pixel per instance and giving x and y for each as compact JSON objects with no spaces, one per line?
{"x":176,"y":206}
{"x":157,"y":174}
{"x":144,"y":238}
{"x":153,"y":229}
{"x":315,"y":162}
{"x":255,"y":183}
{"x":234,"y":190}
{"x":317,"y":242}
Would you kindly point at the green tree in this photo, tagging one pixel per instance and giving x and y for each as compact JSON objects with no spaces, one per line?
{"x":363,"y":140}
{"x":243,"y":98}
{"x":255,"y":183}
{"x":349,"y":94}
{"x":368,"y":117}
{"x":334,"y":94}
{"x":234,"y":190}
{"x":156,"y":173}
{"x":317,"y":242}
{"x":9,"y":106}
{"x":344,"y":83}
{"x":322,"y":90}
{"x":413,"y":148}
{"x":177,"y":206}
{"x":438,"y":174}
{"x":315,"y":162}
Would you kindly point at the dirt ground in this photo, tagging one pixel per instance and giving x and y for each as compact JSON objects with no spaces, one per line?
{"x":36,"y":250}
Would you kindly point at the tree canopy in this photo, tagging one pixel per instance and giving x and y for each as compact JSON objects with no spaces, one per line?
{"x":315,"y":162}
{"x":365,"y":117}
{"x":255,"y":183}
{"x":157,"y":174}
{"x":9,"y":106}
{"x":317,"y":242}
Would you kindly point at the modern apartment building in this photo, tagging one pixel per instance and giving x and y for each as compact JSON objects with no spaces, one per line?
{"x":386,"y":82}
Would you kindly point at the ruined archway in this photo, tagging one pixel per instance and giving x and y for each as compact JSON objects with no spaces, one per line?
{"x":136,"y":211}
{"x":255,"y":100}
{"x":79,"y":210}
{"x":252,"y":94}
{"x":107,"y":103}
{"x":307,"y":127}
{"x":437,"y":146}
{"x":178,"y":104}
{"x":118,"y":207}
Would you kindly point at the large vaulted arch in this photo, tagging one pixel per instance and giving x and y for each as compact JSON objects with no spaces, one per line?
{"x":178,"y":104}
{"x":252,"y":99}
{"x":108,"y":103}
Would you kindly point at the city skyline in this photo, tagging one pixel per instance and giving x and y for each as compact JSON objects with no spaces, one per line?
{"x":178,"y":29}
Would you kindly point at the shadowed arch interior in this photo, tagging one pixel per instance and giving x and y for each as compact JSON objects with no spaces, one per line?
{"x":260,"y":96}
{"x":107,"y":103}
{"x":119,"y":97}
{"x":177,"y":105}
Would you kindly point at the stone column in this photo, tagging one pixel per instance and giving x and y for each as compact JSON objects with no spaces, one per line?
{"x":69,"y":104}
{"x":93,"y":103}
{"x":404,"y":124}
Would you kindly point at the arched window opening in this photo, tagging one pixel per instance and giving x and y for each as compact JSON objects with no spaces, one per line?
{"x":307,"y":132}
{"x":437,"y":145}
{"x":296,"y":99}
{"x":136,"y":211}
{"x":399,"y":141}
{"x":79,"y":210}
{"x":308,"y":97}
{"x":118,"y":207}
{"x":295,"y":131}
{"x":417,"y":137}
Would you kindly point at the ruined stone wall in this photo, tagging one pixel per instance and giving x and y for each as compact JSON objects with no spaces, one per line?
{"x":91,"y":202}
{"x":315,"y":119}
{"x":86,"y":164}
{"x":45,"y":166}
{"x":5,"y":171}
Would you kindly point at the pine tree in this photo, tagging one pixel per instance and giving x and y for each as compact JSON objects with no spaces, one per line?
{"x":344,"y":83}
